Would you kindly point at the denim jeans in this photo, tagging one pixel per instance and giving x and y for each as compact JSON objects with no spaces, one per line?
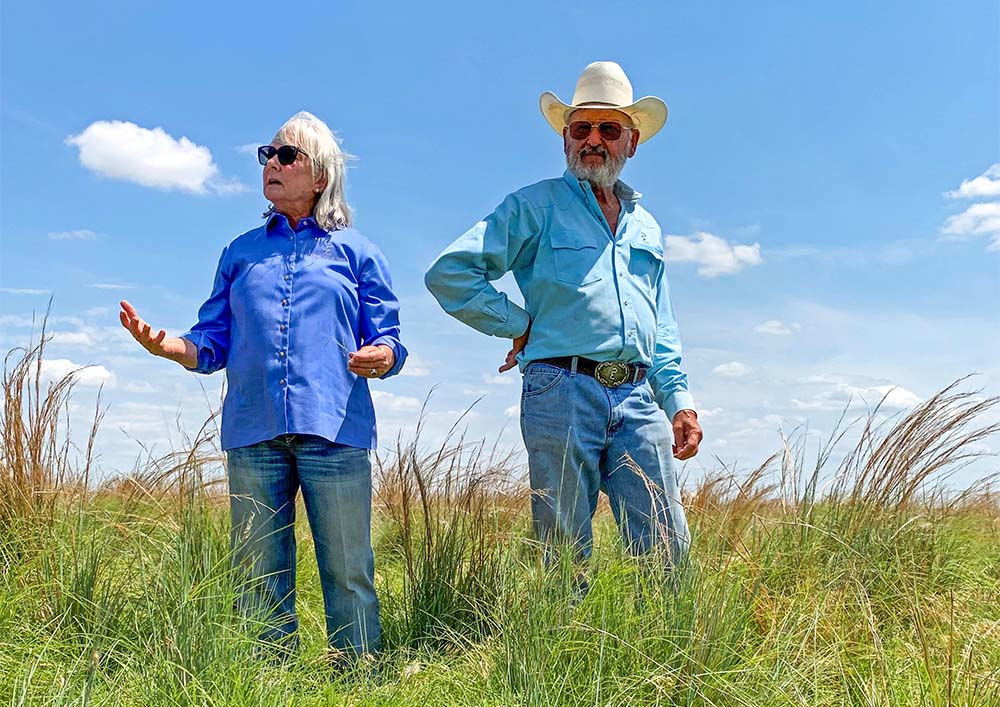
{"x":582,"y":438}
{"x":264,"y":479}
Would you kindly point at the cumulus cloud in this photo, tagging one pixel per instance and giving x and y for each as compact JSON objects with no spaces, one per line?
{"x":80,"y":234}
{"x":714,"y":255}
{"x":415,"y":367}
{"x":72,"y":338}
{"x":506,"y":378}
{"x":387,"y":402}
{"x":841,"y":395}
{"x":55,"y":369}
{"x":773,"y":327}
{"x":733,"y":369}
{"x":977,"y":220}
{"x":985,"y":186}
{"x":151,"y":157}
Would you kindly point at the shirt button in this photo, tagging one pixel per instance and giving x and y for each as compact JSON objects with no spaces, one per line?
{"x":283,"y":327}
{"x":281,"y":354}
{"x":284,"y":302}
{"x":281,"y":382}
{"x":288,"y":277}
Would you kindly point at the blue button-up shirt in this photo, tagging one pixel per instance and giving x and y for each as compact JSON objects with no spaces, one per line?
{"x":287,"y":307}
{"x":587,"y":292}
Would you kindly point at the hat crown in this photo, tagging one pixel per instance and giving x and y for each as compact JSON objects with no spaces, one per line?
{"x":604,"y":83}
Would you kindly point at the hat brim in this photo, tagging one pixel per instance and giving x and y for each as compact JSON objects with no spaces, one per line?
{"x":649,"y":114}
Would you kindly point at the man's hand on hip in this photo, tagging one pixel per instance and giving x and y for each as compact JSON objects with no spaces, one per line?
{"x":687,"y":434}
{"x":515,"y":348}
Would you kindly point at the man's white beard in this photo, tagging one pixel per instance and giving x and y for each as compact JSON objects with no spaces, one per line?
{"x":604,"y":175}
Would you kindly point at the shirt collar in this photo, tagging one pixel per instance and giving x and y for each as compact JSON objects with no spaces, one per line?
{"x":276,"y":220}
{"x":622,"y":190}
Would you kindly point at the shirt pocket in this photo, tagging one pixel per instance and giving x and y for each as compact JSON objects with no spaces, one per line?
{"x":576,"y":258}
{"x":646,"y":259}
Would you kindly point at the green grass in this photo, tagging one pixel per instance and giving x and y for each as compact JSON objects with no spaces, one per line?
{"x":857,"y":585}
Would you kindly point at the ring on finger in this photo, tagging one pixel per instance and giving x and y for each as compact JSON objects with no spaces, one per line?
{"x":373,"y":372}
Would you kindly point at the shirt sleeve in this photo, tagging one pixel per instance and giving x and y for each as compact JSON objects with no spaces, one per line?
{"x":380,"y":309}
{"x":211,"y":334}
{"x":668,"y":380}
{"x":460,"y":279}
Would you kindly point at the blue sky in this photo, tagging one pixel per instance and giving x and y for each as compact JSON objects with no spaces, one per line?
{"x":852,"y":145}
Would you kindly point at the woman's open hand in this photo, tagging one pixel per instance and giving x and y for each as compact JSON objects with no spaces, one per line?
{"x":158,"y":344}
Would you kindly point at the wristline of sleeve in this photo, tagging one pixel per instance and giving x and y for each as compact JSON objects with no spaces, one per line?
{"x":208,"y":356}
{"x":675,"y":402}
{"x":398,"y":353}
{"x":513,"y":325}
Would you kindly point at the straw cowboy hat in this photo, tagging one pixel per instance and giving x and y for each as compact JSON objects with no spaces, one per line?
{"x":604,"y":84}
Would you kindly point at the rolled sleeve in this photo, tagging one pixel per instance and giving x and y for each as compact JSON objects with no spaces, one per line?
{"x":379,"y":308}
{"x":211,"y":334}
{"x":461,"y":277}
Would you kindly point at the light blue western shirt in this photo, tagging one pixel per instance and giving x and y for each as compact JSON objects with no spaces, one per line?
{"x":587,"y":292}
{"x":287,"y":306}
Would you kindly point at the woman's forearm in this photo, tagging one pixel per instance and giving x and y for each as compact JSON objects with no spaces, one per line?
{"x":181,"y":350}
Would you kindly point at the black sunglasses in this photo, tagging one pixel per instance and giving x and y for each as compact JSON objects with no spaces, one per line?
{"x":286,"y":153}
{"x":608,"y":129}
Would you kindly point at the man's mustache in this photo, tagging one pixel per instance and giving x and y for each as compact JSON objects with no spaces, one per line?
{"x":595,"y":150}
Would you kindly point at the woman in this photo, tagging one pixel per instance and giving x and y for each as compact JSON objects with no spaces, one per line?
{"x":302,"y":314}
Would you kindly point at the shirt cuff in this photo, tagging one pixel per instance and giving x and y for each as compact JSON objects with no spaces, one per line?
{"x":206,"y":354}
{"x":679,"y":400}
{"x":516,"y":324}
{"x":398,"y":354}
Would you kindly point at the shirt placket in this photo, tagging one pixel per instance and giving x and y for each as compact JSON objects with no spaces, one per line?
{"x":287,"y":281}
{"x":619,"y":266}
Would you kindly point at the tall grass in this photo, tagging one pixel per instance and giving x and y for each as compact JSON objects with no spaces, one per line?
{"x":863,"y":582}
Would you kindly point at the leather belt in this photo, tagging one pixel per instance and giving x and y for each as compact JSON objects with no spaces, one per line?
{"x":608,"y":373}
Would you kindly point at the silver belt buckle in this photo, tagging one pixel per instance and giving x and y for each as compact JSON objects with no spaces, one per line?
{"x":611,"y":374}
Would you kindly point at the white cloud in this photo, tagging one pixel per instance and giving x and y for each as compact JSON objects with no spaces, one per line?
{"x":512,"y":411}
{"x":506,"y":378}
{"x":772,"y":327}
{"x":977,"y":220}
{"x":733,"y":369}
{"x":415,"y":367}
{"x":985,"y":186}
{"x":80,"y":234}
{"x":72,"y":338}
{"x":153,"y":158}
{"x":842,"y":395}
{"x":54,"y":369}
{"x":139,"y":387}
{"x":714,"y":255}
{"x":249,"y":148}
{"x":24,"y":291}
{"x":387,"y":402}
{"x":111,"y":286}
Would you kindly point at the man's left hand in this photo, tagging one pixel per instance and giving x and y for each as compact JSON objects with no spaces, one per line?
{"x":687,"y":434}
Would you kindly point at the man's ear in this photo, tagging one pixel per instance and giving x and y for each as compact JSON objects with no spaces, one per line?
{"x":633,"y":143}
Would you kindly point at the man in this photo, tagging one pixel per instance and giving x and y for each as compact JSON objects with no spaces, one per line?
{"x":596,"y":341}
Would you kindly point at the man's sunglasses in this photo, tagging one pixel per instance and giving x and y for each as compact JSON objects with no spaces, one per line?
{"x":608,"y":129}
{"x":286,"y":153}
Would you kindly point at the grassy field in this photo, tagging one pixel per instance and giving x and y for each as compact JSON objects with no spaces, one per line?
{"x":859,"y":583}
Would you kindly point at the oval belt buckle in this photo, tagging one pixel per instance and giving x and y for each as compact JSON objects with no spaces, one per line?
{"x":611,"y":373}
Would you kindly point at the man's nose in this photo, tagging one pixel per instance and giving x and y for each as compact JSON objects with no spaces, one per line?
{"x":594,"y":138}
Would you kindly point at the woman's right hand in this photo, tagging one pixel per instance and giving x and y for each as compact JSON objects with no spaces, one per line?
{"x":159,"y":344}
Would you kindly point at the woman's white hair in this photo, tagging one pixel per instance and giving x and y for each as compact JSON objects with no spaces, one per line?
{"x":314,"y":137}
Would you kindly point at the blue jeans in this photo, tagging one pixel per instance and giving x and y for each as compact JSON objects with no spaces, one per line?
{"x":582,"y":438}
{"x":264,"y":479}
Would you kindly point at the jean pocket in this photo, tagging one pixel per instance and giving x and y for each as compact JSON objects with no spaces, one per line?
{"x":540,"y":378}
